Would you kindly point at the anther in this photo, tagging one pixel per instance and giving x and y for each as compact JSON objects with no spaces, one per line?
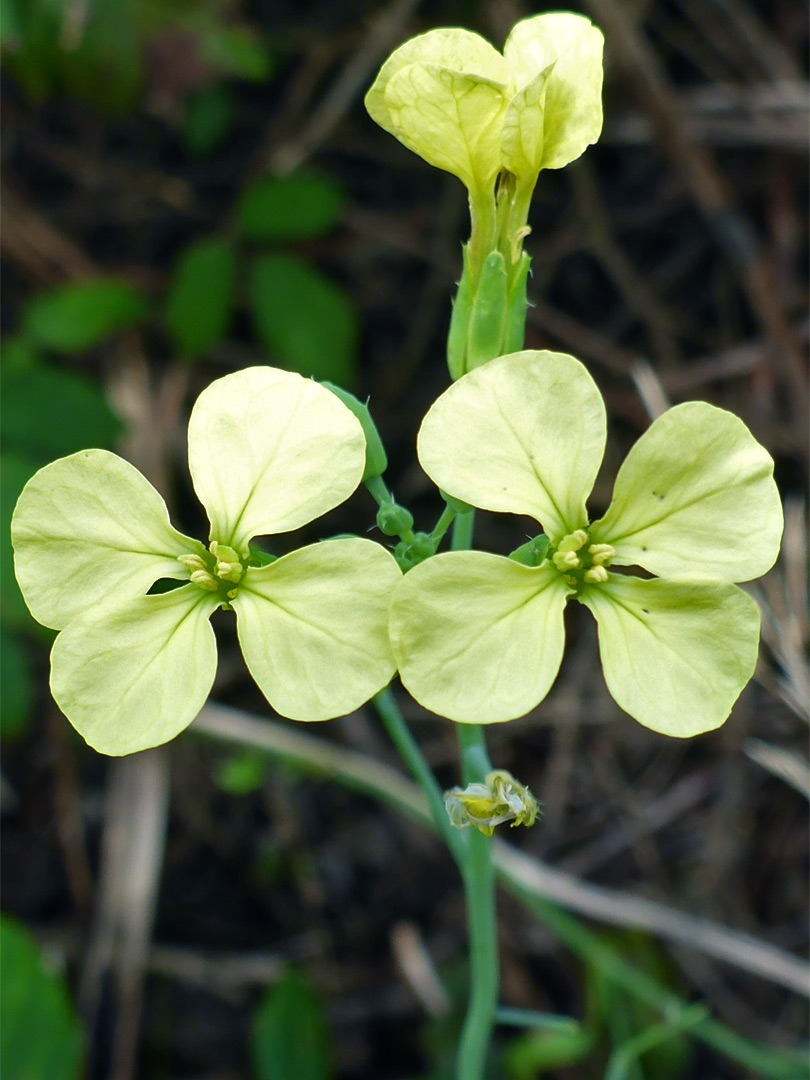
{"x":596,"y":575}
{"x":566,"y":560}
{"x":573,"y":542}
{"x":204,"y":580}
{"x":601,"y":553}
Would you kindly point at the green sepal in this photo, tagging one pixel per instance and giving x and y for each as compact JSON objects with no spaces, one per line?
{"x":460,"y":321}
{"x":516,"y":305}
{"x":533,"y":552}
{"x":488,"y":317}
{"x":258,"y":557}
{"x":394,"y":520}
{"x":376,"y":457}
{"x":410,"y":553}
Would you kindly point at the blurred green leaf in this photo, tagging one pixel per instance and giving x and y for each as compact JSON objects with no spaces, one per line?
{"x":532,"y":1055}
{"x":242,"y":773}
{"x":238,"y":51}
{"x":49,"y":412}
{"x":199,"y":305}
{"x":290,"y":1036}
{"x":303,"y":319}
{"x":15,"y":472}
{"x":208,"y":117}
{"x":42,"y":1037}
{"x":91,"y":50}
{"x":289,"y":207}
{"x":16,"y":685}
{"x":77,"y":317}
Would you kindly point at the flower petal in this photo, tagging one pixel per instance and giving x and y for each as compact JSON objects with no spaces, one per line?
{"x":269,"y":451}
{"x":522,"y":134}
{"x":88,"y":528}
{"x":523,"y":434}
{"x":572,"y":109}
{"x":695,"y":495}
{"x":457,"y":50}
{"x":477,"y":637}
{"x":133,"y":675}
{"x":450,"y":119}
{"x":313,"y":627}
{"x":675,"y":654}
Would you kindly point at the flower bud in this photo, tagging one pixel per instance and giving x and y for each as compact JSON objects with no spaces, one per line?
{"x":393,"y":519}
{"x":376,"y":458}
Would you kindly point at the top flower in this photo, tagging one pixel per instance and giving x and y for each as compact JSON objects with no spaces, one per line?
{"x":449,"y":96}
{"x":268,"y":452}
{"x":479,"y":638}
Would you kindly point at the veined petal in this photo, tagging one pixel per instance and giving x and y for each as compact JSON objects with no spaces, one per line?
{"x":456,"y":50}
{"x":695,"y":494}
{"x":313,"y":627}
{"x":572,"y":108}
{"x":477,"y":637}
{"x":675,"y":653}
{"x":89,"y":528}
{"x":133,"y":675}
{"x":524,"y":434}
{"x":450,"y":119}
{"x":522,"y":136}
{"x":269,"y":451}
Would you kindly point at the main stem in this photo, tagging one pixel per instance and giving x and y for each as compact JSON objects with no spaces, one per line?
{"x":478,"y":875}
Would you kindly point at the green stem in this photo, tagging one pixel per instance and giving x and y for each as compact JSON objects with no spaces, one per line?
{"x":379,"y":490}
{"x":391,"y":715}
{"x":443,"y":524}
{"x":478,"y":873}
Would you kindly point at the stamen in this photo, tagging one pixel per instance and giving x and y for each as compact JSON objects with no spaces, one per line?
{"x":193,"y":562}
{"x":566,"y":560}
{"x":573,"y":542}
{"x":601,"y":554}
{"x":596,"y":575}
{"x":204,"y":580}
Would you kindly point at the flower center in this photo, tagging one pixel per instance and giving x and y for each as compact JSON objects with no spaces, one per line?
{"x":580,"y":562}
{"x":220,"y":570}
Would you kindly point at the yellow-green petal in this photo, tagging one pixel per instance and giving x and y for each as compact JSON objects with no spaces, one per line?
{"x":269,"y":451}
{"x":90,"y":528}
{"x":675,"y":653}
{"x":456,"y":50}
{"x":572,"y":104}
{"x":450,"y":119}
{"x":695,"y":495}
{"x":313,"y":627}
{"x":133,"y":675}
{"x":522,"y":135}
{"x":478,"y":638}
{"x":524,"y":434}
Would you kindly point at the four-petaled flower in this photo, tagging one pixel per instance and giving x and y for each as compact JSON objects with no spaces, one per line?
{"x":479,"y":638}
{"x":452,"y":98}
{"x":268,"y":452}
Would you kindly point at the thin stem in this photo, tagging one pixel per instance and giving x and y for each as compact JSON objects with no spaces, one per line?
{"x":379,"y":490}
{"x":478,"y":873}
{"x":443,"y":524}
{"x":391,"y":715}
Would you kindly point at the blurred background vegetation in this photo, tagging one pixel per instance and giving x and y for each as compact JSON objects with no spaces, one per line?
{"x":192,"y":187}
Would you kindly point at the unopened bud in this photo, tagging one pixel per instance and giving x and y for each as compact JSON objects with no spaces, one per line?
{"x":393,"y":519}
{"x":376,"y":458}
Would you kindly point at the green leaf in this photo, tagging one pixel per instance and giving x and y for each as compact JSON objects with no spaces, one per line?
{"x":16,"y":685}
{"x":303,"y":319}
{"x":290,"y":1036}
{"x":208,"y":117}
{"x":242,"y":773}
{"x":49,"y":412}
{"x":199,"y":305}
{"x":42,"y":1036}
{"x":289,"y":207}
{"x":239,"y":51}
{"x":78,"y":317}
